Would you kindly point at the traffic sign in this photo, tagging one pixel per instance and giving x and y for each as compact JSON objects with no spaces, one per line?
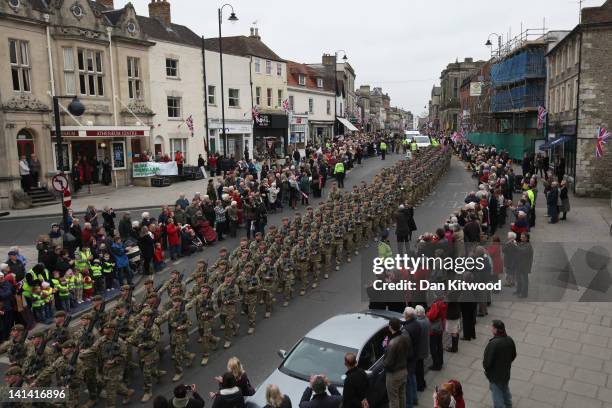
{"x":60,"y":182}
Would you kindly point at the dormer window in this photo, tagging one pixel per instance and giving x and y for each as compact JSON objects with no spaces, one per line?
{"x":302,"y":79}
{"x":319,"y":82}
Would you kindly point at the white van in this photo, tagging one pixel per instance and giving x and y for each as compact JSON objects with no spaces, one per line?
{"x":422,"y":141}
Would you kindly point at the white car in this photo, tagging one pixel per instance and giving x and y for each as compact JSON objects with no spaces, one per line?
{"x":422,"y":141}
{"x":322,"y":351}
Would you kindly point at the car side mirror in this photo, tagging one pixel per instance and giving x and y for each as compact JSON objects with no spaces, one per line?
{"x":282,"y":353}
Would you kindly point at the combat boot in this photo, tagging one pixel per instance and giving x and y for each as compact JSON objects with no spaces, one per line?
{"x":177,"y":377}
{"x":227,"y":344}
{"x":302,"y":292}
{"x":251,"y":330}
{"x":126,"y":399}
{"x":204,"y":360}
{"x":146,"y":397}
{"x":236,"y":329}
{"x":314,"y":285}
{"x":190,"y":357}
{"x":326,"y":276}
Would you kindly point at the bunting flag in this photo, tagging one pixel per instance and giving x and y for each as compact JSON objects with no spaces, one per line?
{"x":189,"y":122}
{"x":602,"y":138}
{"x":542,"y":112}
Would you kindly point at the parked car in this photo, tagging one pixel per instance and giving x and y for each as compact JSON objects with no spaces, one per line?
{"x":322,"y":351}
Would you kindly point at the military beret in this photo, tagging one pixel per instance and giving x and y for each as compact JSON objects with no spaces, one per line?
{"x":125,"y":287}
{"x":14,"y":370}
{"x":98,"y":298}
{"x":222,"y":262}
{"x":68,"y":344}
{"x":223,"y":249}
{"x":250,"y":264}
{"x":18,"y":327}
{"x":147,"y":312}
{"x":39,"y":334}
{"x":60,"y":313}
{"x":120,"y":305}
{"x":152,"y":296}
{"x":197,"y":275}
{"x":110,"y":325}
{"x":88,"y":316}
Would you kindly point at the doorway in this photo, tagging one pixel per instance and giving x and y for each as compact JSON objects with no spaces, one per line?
{"x":25,"y":144}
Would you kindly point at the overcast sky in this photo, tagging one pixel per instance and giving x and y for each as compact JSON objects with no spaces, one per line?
{"x":399,"y":45}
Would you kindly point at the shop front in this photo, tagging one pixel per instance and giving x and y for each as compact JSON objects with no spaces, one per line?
{"x":320,"y":131}
{"x":270,"y":134}
{"x":239,"y":138}
{"x":100,"y":154}
{"x":298,"y":132}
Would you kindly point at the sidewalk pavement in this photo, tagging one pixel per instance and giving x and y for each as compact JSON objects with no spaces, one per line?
{"x":124,"y":198}
{"x":564,"y":347}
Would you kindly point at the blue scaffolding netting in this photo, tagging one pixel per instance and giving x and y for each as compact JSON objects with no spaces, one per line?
{"x":528,"y":95}
{"x":527,"y":64}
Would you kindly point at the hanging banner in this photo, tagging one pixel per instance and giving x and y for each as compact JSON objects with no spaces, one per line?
{"x":149,"y":169}
{"x":475,"y":88}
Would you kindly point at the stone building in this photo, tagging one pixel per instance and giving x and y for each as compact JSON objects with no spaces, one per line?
{"x":434,"y":107}
{"x":450,"y":83}
{"x":579,"y":86}
{"x":80,"y":48}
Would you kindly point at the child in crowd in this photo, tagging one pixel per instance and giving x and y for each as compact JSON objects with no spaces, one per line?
{"x":64,"y":293}
{"x":47,"y":295}
{"x":108,"y":270}
{"x":88,"y":289}
{"x":158,"y":258}
{"x":69,"y":277}
{"x":38,"y":304}
{"x":78,"y":287}
{"x":96,"y":275}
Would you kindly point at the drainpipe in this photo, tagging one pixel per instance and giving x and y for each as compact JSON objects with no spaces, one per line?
{"x":577,"y":107}
{"x":50,"y":57}
{"x":109,"y":31}
{"x":207,"y":136}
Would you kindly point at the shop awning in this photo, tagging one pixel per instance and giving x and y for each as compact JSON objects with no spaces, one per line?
{"x":103,"y":131}
{"x":555,"y":142}
{"x":347,"y":124}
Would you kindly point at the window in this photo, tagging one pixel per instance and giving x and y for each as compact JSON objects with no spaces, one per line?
{"x":91,"y":77}
{"x":310,"y":105}
{"x":279,"y":101}
{"x":233,"y":97}
{"x":301,"y":79}
{"x":257,"y":66}
{"x":212,"y":100}
{"x":180,"y":145}
{"x":576,"y":94}
{"x":268,"y":67}
{"x":69,"y":78}
{"x":328,"y":107}
{"x":569,"y":95}
{"x":134,"y":80}
{"x":562,"y":98}
{"x":455,"y":87}
{"x":569,"y":55}
{"x":279,"y":69}
{"x":258,"y":95}
{"x":319,"y":82}
{"x":269,"y":96}
{"x":20,"y":65}
{"x":291,"y":103}
{"x":172,"y":67}
{"x":563,"y":59}
{"x":576,"y":50}
{"x":174,"y":107}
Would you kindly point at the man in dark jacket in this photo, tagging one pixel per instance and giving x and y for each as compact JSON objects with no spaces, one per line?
{"x":399,"y":349}
{"x":181,"y":399}
{"x":356,"y":383}
{"x":552,"y":199}
{"x":7,"y":306}
{"x":497,"y":362}
{"x":412,"y":328}
{"x":319,"y":384}
{"x":405,"y":225}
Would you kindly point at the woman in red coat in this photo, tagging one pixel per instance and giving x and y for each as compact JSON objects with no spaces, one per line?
{"x":174,"y":239}
{"x":495,"y":252}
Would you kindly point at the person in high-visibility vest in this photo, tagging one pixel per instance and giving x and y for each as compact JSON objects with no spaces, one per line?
{"x":414,"y":147}
{"x":38,"y":304}
{"x":383,"y":149}
{"x":83,"y":257}
{"x":435,"y":143}
{"x":37,"y":274}
{"x":96,"y":275}
{"x":339,"y":173}
{"x":405,"y":144}
{"x":64,"y":294}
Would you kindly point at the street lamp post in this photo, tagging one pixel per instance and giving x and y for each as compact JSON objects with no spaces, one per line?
{"x":76,"y":108}
{"x":490,"y":44}
{"x":231,"y":18}
{"x":336,"y":90}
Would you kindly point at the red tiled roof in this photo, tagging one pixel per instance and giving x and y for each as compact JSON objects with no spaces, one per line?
{"x":295,"y":69}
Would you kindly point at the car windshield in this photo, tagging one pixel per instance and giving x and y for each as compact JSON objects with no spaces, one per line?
{"x":316,"y":357}
{"x":422,"y":139}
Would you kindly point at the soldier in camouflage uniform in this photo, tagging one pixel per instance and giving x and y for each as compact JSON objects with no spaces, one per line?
{"x":326,"y":241}
{"x":205,"y":313}
{"x":250,"y":286}
{"x":179,"y":324}
{"x":338,"y":232}
{"x":224,"y":299}
{"x":125,"y":323}
{"x":300,"y":257}
{"x":112,"y":357}
{"x":88,"y":357}
{"x":15,"y":347}
{"x":237,"y":252}
{"x":314,"y":250}
{"x":349,"y":239}
{"x":285,"y":227}
{"x":146,"y":339}
{"x":285,"y":267}
{"x":254,"y":245}
{"x":267,"y":275}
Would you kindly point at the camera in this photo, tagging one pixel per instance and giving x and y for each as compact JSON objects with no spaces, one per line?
{"x":189,"y":388}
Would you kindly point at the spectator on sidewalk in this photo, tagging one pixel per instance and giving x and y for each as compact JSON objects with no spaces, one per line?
{"x":524,"y":262}
{"x":356,"y":383}
{"x":229,"y":395}
{"x":499,"y":354}
{"x":437,"y":316}
{"x":412,"y":328}
{"x":405,"y":224}
{"x":399,"y":349}
{"x":319,"y":385}
{"x":422,"y":347}
{"x":181,"y":398}
{"x":565,"y":203}
{"x":276,"y":399}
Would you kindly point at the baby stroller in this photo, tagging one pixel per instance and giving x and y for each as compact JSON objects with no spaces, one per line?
{"x":518,"y":183}
{"x":206,"y":232}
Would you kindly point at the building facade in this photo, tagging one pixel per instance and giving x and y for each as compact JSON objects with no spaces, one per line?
{"x":450,"y":84}
{"x":434,"y":107}
{"x":82,"y":49}
{"x":311,"y":99}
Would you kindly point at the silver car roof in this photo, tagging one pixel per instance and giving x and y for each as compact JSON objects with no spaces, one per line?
{"x":350,"y":329}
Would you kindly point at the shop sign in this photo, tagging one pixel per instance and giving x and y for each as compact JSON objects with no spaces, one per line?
{"x":149,"y":169}
{"x":264,"y":120}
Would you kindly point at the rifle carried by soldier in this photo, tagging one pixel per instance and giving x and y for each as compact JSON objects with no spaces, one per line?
{"x":70,"y":370}
{"x":36,"y":365}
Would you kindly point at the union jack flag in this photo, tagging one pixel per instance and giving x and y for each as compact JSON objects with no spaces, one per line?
{"x":286,"y":105}
{"x":256,"y":115}
{"x":542,"y":112}
{"x":189,"y":122}
{"x":602,"y":138}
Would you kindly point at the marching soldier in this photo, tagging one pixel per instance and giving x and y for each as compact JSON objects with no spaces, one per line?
{"x":250,"y":286}
{"x":15,"y":347}
{"x":85,"y":338}
{"x":326,"y":241}
{"x":338,"y":232}
{"x":299,"y":255}
{"x":267,"y":274}
{"x":314,"y":250}
{"x":225,"y":298}
{"x":179,"y":324}
{"x":285,"y":267}
{"x":205,"y":313}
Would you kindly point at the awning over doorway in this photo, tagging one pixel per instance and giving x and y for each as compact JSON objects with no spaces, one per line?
{"x":347,"y":124}
{"x":555,"y":142}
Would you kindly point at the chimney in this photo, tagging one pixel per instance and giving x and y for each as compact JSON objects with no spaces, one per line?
{"x":255,"y":33}
{"x":160,"y":10}
{"x":107,"y":3}
{"x":329,"y":59}
{"x":468,"y":60}
{"x":252,"y":32}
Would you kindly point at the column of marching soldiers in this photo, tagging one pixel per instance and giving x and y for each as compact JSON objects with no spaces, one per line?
{"x":101,"y":354}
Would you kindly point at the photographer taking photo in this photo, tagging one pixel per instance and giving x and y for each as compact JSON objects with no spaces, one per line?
{"x":182,"y":400}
